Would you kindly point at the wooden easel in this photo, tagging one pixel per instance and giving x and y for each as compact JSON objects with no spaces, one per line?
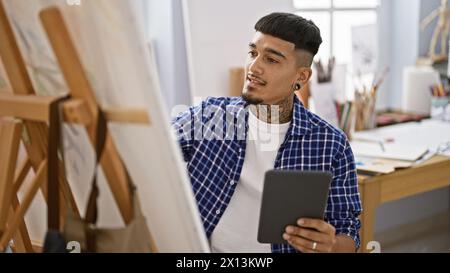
{"x":28,"y":125}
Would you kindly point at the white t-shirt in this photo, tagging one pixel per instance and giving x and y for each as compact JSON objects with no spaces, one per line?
{"x":237,"y":230}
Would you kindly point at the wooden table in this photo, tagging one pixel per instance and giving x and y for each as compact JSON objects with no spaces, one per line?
{"x":376,"y":190}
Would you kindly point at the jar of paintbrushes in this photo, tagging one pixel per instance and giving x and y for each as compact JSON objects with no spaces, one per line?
{"x":365,"y":101}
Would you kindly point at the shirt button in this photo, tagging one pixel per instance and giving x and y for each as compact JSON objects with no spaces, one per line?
{"x":232,"y":182}
{"x":218,"y":211}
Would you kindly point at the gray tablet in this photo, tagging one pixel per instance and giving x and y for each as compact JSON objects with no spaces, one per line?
{"x":288,"y":196}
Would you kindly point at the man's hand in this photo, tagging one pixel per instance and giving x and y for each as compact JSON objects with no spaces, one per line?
{"x":311,"y":235}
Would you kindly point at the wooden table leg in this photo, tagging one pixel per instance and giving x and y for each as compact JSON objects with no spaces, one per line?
{"x":370,"y":198}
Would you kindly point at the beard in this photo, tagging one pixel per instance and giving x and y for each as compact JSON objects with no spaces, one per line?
{"x":249,"y":99}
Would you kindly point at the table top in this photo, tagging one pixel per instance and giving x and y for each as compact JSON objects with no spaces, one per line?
{"x":433,"y":160}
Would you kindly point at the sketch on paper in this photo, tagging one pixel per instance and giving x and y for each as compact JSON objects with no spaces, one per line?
{"x":365,"y":50}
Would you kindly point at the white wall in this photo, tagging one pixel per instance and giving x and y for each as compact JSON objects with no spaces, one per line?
{"x":166,"y":31}
{"x":404,"y":44}
{"x":219,"y":33}
{"x":407,"y":41}
{"x":384,"y":51}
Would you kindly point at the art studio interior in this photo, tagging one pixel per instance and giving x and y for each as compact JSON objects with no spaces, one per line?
{"x":110,"y":113}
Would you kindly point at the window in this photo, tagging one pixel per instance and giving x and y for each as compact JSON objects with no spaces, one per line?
{"x":335,"y":18}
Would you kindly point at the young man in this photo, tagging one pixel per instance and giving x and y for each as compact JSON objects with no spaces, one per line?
{"x":229,"y":144}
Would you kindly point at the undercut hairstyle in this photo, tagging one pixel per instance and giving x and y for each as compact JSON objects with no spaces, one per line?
{"x":303,"y":33}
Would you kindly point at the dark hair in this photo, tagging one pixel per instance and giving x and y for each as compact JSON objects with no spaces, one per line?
{"x":292,"y":28}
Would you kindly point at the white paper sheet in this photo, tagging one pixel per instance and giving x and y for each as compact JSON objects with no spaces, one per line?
{"x":323,"y":96}
{"x":406,"y":141}
{"x":380,"y":165}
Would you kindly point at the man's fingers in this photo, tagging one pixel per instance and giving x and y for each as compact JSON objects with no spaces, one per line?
{"x":312,"y":235}
{"x":309,"y":234}
{"x":302,"y":249}
{"x":320,"y":225}
{"x":303,"y":245}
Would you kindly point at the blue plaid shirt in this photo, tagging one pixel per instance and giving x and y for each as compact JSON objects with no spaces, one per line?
{"x":213,"y":141}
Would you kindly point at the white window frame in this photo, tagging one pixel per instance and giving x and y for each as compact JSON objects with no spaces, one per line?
{"x":331,"y":10}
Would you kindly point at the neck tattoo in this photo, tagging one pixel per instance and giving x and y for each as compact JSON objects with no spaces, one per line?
{"x":277,"y":113}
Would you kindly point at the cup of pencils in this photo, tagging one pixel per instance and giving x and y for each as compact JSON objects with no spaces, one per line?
{"x":440,"y":102}
{"x":345,"y":117}
{"x":365,"y":101}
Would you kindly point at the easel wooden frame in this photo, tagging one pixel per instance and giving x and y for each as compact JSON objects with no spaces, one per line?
{"x":32,"y":129}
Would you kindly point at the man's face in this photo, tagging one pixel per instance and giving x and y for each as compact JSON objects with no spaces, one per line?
{"x":271,"y":70}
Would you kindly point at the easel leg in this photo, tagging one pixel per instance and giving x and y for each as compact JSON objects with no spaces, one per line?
{"x":10,"y":136}
{"x":79,"y":86}
{"x":9,"y":146}
{"x":19,"y":213}
{"x":66,"y":195}
{"x":22,"y":241}
{"x":21,"y":174}
{"x":35,"y":137}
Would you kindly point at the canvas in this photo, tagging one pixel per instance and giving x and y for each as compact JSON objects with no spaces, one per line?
{"x":109,"y":38}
